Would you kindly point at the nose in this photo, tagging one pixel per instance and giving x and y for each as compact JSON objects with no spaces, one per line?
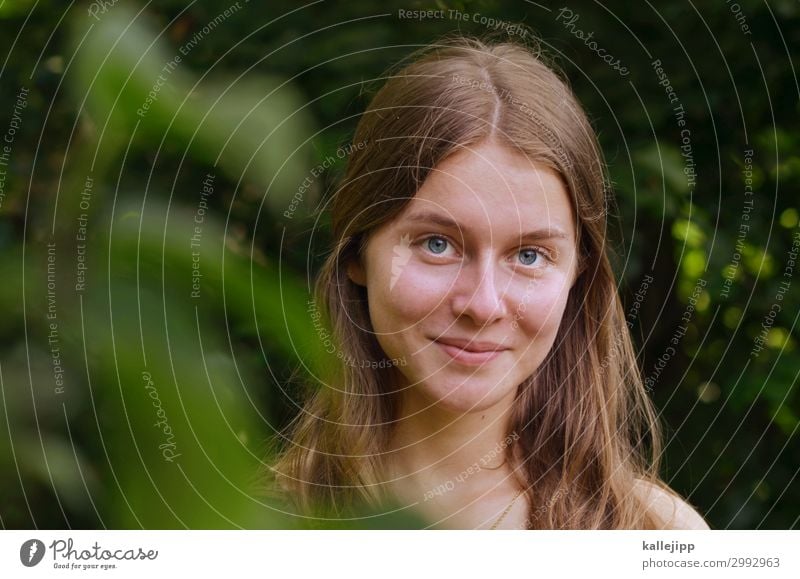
{"x":477,"y":294}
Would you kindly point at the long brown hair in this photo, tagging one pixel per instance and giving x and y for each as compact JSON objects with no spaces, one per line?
{"x":585,"y":432}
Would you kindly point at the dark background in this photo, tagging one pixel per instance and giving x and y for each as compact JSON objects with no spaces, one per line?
{"x":262,"y":97}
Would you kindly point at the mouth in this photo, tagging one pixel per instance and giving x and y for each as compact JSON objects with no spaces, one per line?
{"x":470,"y":353}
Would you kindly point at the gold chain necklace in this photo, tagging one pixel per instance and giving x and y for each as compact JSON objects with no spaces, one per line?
{"x":505,"y":512}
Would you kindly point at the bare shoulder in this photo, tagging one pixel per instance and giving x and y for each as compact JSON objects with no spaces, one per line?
{"x":669,"y":507}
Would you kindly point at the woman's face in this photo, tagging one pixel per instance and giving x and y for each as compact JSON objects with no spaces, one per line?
{"x":467,"y":286}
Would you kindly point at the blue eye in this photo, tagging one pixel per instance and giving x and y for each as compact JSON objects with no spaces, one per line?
{"x":437,"y":244}
{"x":528,"y":256}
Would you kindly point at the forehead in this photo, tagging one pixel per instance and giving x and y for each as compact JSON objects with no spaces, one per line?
{"x":491,"y":187}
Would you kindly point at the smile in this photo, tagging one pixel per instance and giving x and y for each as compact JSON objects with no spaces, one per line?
{"x":472,"y":356}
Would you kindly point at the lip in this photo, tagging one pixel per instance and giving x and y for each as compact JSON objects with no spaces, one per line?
{"x":470,"y":352}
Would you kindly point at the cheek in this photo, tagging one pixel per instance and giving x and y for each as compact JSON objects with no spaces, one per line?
{"x":406,"y":298}
{"x":402,"y":313}
{"x":540,"y":311}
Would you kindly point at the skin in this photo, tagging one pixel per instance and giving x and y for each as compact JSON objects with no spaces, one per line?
{"x":675,"y":513}
{"x":482,"y":279}
{"x":479,"y":280}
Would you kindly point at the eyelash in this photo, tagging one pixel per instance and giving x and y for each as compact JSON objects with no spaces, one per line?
{"x":540,"y":250}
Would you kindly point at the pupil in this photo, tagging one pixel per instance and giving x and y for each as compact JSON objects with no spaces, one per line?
{"x":528,"y":256}
{"x":437,"y":244}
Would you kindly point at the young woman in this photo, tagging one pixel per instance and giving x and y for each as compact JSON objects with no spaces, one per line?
{"x":486,"y":376}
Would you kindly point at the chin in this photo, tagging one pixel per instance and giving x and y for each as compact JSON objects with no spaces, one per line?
{"x":467,"y":396}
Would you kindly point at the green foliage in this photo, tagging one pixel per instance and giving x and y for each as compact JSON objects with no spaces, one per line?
{"x":258,"y":101}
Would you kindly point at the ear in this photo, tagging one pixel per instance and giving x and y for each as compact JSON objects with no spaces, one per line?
{"x":356,"y":273}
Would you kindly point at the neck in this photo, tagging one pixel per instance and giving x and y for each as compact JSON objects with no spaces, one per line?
{"x":459,"y":454}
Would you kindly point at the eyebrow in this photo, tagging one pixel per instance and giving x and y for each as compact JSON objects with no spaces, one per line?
{"x":445,"y":221}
